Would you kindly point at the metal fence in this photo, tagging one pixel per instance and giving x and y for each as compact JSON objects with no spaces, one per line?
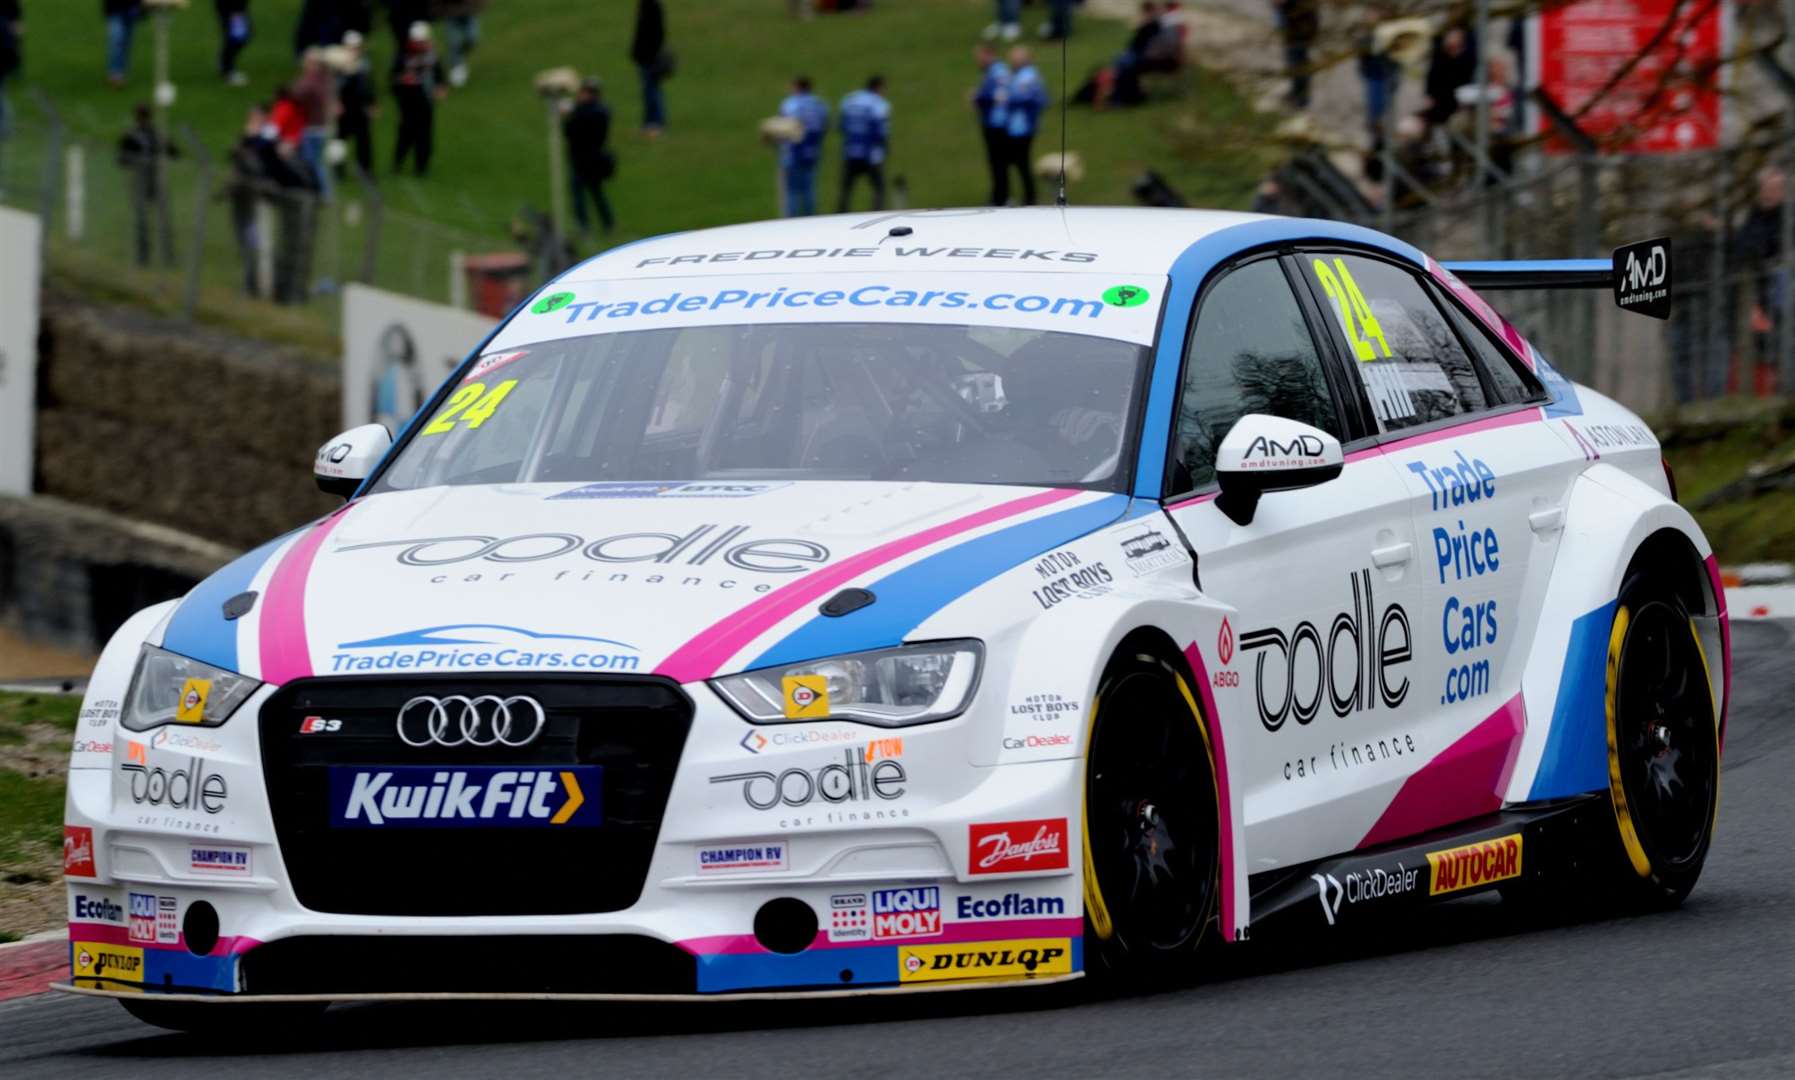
{"x":1732,"y":329}
{"x":185,"y":231}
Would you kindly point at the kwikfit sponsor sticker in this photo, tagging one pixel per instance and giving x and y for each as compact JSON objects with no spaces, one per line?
{"x":470,"y":797}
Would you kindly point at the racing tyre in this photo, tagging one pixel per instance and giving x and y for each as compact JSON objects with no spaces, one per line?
{"x":285,"y":1021}
{"x":1150,"y":823}
{"x":1663,"y":747}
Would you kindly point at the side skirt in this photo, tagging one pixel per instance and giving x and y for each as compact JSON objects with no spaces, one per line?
{"x":1522,"y":845}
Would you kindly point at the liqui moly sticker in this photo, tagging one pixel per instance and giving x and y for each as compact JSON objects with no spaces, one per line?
{"x":1011,"y":847}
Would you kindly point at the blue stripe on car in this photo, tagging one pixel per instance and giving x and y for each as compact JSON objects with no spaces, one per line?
{"x":909,"y":596}
{"x":866,"y":965}
{"x":1575,"y":760}
{"x":1188,"y":273}
{"x":198,"y":627}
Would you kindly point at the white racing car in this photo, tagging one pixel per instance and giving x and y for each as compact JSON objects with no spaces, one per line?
{"x":932,"y":599}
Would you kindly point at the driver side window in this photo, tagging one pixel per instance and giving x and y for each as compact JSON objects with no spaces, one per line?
{"x":1251,"y":353}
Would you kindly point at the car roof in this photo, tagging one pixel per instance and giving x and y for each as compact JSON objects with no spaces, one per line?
{"x":1034,"y":238}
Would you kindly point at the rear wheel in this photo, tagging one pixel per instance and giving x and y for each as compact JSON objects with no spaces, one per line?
{"x":1663,"y":747}
{"x":1150,"y":822}
{"x":228,"y":1020}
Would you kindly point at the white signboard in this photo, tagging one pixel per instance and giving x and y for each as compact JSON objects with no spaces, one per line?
{"x":397,"y":350}
{"x":18,"y":348}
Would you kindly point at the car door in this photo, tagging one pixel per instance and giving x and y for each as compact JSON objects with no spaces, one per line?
{"x":1314,"y":669}
{"x":1457,"y":421}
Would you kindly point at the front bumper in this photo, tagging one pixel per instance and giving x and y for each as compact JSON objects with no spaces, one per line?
{"x":249,"y":903}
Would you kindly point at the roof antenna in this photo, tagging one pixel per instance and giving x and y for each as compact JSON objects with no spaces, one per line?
{"x":1065,"y":96}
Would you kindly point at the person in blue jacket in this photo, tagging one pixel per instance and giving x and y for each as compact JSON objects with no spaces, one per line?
{"x":988,"y":103}
{"x":865,"y":135}
{"x":799,"y":159}
{"x":1024,"y":100}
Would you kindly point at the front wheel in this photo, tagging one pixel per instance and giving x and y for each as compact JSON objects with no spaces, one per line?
{"x":1150,"y":822}
{"x":1663,"y":747}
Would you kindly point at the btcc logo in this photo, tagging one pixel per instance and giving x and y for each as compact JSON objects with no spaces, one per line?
{"x":469,"y":797}
{"x":985,"y":960}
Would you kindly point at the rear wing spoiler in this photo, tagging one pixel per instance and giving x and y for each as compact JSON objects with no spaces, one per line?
{"x":1639,"y":274}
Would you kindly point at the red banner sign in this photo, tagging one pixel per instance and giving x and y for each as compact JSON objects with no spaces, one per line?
{"x":1640,"y":76}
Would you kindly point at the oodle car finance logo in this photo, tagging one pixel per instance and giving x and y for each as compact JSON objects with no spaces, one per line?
{"x":468,"y":646}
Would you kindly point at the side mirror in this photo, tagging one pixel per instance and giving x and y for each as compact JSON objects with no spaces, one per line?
{"x":1269,"y":453}
{"x":345,"y":461}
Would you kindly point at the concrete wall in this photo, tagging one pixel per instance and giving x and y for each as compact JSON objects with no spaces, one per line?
{"x":178,"y":425}
{"x":162,"y":450}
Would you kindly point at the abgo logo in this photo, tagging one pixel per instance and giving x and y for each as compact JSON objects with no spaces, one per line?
{"x":1377,"y":643}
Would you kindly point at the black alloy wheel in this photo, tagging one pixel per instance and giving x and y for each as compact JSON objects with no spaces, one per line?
{"x":1151,"y":822}
{"x":1663,"y":746}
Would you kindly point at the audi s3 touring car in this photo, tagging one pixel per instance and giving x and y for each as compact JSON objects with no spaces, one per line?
{"x":871,"y":604}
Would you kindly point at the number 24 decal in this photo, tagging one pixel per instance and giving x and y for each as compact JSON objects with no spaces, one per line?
{"x":1337,"y":282}
{"x":472,"y":403}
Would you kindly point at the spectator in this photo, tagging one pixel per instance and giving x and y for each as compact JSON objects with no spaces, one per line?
{"x":1300,"y":23}
{"x":402,"y":15}
{"x":417,"y":85}
{"x":1268,"y":197}
{"x":587,"y":130}
{"x":315,"y":93}
{"x":1124,"y":84}
{"x":1024,"y":102}
{"x":357,"y":104}
{"x":1453,"y":64}
{"x":798,"y":159}
{"x":256,"y":173}
{"x":321,"y":22}
{"x":1059,"y":21}
{"x":1009,"y":21}
{"x":12,"y":57}
{"x":234,"y":32}
{"x":990,"y":105}
{"x":1756,"y":249}
{"x":648,"y":49}
{"x":865,"y":135}
{"x":121,"y":23}
{"x":288,"y":118}
{"x":462,"y":20}
{"x":140,"y":153}
{"x":1380,"y":74}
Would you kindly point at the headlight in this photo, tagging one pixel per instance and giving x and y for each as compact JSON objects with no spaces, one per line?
{"x":914,"y":684}
{"x":168,"y":688}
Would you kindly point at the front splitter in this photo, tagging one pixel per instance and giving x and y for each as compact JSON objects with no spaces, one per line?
{"x":746,"y":995}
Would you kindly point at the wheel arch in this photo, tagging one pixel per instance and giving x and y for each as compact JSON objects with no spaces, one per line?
{"x":1615,"y":527}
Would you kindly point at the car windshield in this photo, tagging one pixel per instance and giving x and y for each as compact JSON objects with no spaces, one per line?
{"x":793,"y":401}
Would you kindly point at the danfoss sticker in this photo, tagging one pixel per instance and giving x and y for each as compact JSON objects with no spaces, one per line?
{"x":1475,"y":864}
{"x":1012,"y":847}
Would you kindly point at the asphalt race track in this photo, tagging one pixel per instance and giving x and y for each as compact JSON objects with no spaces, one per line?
{"x":1469,"y":989}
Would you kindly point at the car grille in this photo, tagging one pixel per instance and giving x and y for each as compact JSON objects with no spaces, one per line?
{"x":633,"y":728}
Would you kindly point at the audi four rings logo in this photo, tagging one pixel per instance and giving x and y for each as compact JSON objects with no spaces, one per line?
{"x":487,"y":720}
